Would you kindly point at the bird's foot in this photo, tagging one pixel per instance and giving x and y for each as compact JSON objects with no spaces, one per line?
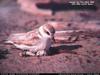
{"x":27,"y":53}
{"x":41,"y":53}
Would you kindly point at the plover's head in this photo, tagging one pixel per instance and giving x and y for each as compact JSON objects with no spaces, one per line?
{"x":47,"y":30}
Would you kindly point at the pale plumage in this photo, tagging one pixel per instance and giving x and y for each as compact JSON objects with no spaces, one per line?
{"x":38,"y":41}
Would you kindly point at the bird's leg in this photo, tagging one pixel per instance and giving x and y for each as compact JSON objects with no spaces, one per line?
{"x":30,"y":52}
{"x":38,"y":53}
{"x":41,"y":53}
{"x":27,"y":53}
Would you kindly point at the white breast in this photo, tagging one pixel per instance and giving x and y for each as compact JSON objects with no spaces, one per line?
{"x":45,"y":44}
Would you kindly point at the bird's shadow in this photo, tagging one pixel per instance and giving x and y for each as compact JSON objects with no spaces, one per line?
{"x":64,"y":49}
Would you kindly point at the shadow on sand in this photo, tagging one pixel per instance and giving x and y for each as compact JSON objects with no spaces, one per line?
{"x":64,"y":49}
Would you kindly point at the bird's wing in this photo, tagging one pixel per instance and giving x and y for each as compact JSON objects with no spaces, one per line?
{"x":28,"y":38}
{"x":15,"y":37}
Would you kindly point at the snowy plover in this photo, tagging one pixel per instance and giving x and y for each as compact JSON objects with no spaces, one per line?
{"x":36,"y":42}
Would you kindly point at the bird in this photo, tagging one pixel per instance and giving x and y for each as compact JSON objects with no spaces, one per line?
{"x":35,"y":42}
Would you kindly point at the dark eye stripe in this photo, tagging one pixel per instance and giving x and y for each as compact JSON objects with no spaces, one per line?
{"x":46,"y":32}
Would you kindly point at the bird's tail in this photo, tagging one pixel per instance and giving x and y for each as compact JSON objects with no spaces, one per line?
{"x":8,"y":41}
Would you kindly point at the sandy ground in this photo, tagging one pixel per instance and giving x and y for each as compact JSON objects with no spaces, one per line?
{"x":81,"y":56}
